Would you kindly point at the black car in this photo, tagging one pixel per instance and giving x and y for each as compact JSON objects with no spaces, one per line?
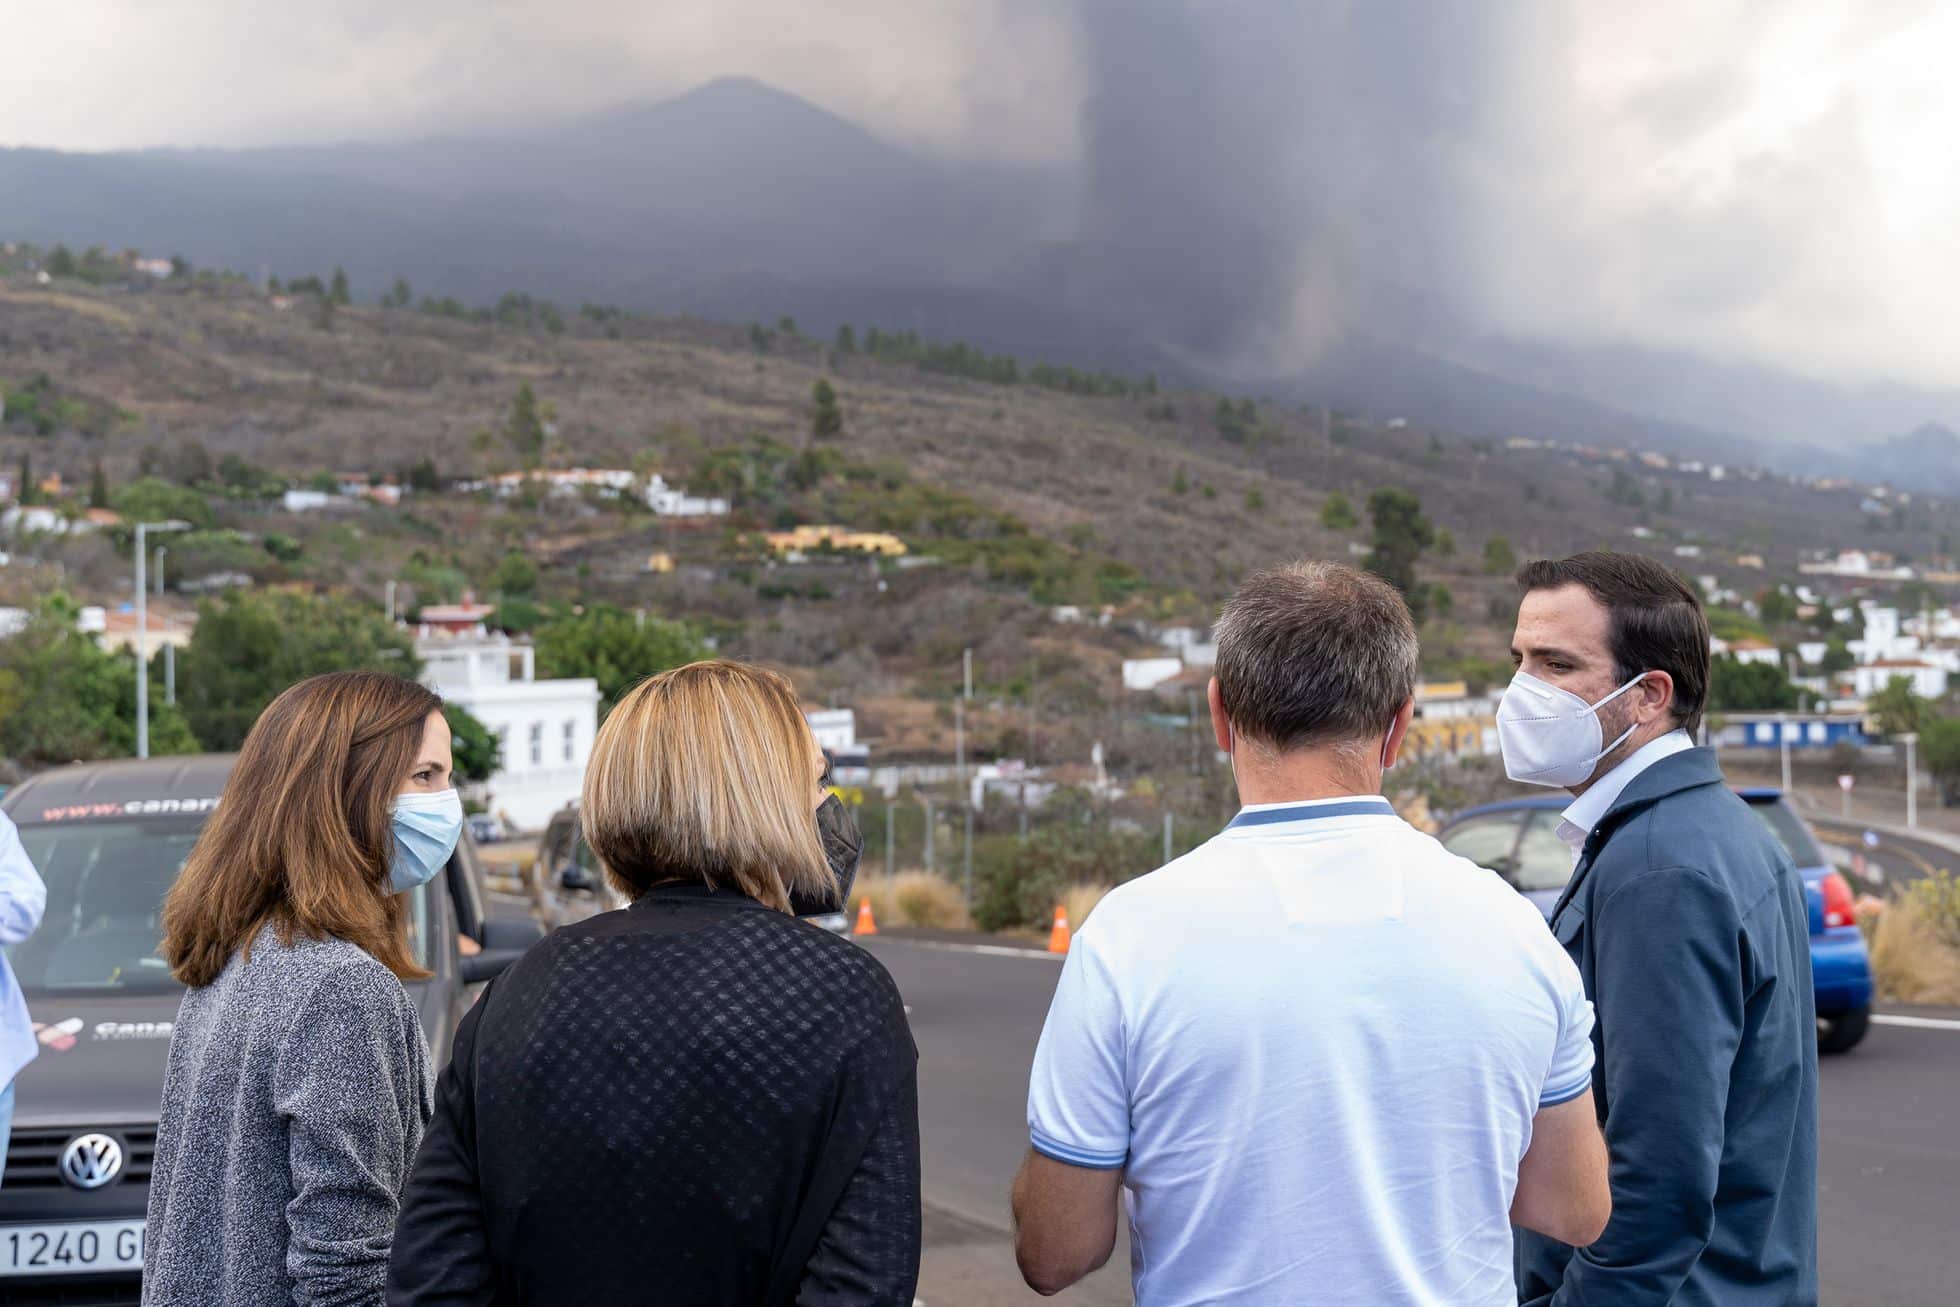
{"x":571,"y":885}
{"x":108,"y":839}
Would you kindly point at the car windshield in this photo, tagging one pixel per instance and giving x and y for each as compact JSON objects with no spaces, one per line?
{"x":104,"y":920}
{"x":1789,"y":828}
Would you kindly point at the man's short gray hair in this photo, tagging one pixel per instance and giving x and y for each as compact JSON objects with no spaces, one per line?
{"x":1315,"y":653}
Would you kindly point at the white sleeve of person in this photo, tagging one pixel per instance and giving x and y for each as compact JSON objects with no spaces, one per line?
{"x":1570,"y":1074}
{"x":1078,"y":1101}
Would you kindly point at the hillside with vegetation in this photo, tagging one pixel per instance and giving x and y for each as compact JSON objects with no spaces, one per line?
{"x":1015,"y":486}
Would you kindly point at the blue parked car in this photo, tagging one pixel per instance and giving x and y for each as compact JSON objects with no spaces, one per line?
{"x":1518,"y":839}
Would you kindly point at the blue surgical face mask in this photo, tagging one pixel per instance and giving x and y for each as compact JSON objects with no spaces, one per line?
{"x":426,"y":828}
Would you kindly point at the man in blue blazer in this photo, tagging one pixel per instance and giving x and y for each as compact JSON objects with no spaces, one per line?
{"x":1688,"y":924}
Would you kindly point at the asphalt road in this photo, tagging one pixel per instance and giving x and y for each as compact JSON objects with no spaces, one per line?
{"x":1889,"y":1138}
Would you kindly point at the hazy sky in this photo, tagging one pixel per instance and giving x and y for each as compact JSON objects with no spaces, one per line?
{"x":1768,"y":181}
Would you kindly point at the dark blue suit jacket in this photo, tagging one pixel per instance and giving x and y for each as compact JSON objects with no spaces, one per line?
{"x":1688,"y":924}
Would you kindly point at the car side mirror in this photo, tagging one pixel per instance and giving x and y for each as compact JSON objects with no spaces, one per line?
{"x":503,"y":943}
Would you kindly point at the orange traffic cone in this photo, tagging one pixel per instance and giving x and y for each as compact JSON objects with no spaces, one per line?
{"x":1058,"y":936}
{"x":865,"y":924}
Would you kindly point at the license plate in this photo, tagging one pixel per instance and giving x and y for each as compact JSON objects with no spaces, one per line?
{"x":74,"y":1248}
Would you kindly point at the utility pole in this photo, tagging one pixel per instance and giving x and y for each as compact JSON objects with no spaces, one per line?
{"x":966,"y":666}
{"x":391,"y":603}
{"x":969,"y":855}
{"x":170,"y":673}
{"x":161,"y":552}
{"x":1167,"y":834}
{"x":891,"y":847}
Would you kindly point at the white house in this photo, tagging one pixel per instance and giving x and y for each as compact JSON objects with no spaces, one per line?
{"x":1813,"y":652}
{"x":835,"y":728}
{"x":306,"y":501}
{"x":1927,"y":680}
{"x":1149,"y":673}
{"x":35,"y":518}
{"x":545,"y":727}
{"x":1756,"y":651}
{"x":672,"y":501}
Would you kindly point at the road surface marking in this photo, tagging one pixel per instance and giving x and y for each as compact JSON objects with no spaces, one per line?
{"x":1917,"y":1023}
{"x":988,"y":950}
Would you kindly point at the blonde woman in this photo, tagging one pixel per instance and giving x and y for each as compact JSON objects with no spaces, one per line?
{"x":697,"y":1098}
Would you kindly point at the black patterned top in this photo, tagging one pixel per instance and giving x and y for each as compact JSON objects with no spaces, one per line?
{"x":697,"y":1099}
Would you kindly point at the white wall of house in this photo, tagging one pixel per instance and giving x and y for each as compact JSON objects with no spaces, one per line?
{"x":1927,"y":681}
{"x":546,"y":727}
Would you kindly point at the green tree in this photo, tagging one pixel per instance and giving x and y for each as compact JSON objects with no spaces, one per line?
{"x":252,"y":646}
{"x":1749,"y":687}
{"x":1939,"y":745}
{"x":28,"y":493}
{"x":524,"y":427}
{"x":615,"y":648}
{"x":1254,"y":500}
{"x":1180,"y":484}
{"x":1445,"y":545}
{"x":422,"y":476}
{"x":1499,"y":558}
{"x":340,"y":293}
{"x":152,"y":499}
{"x":1837,"y":658}
{"x":1896,"y":710}
{"x":516,"y":576}
{"x":1777,"y":606}
{"x":846,"y":340}
{"x":62,"y":699}
{"x":1337,"y":514}
{"x":401,"y":296}
{"x":1402,"y":533}
{"x":826,"y":419}
{"x":475,"y":748}
{"x":61,"y":263}
{"x":98,"y":486}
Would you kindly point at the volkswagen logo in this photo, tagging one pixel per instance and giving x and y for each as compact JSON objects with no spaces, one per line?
{"x":91,"y":1161}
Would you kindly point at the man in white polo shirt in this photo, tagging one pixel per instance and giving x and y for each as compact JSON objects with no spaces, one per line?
{"x":1326,"y":1060}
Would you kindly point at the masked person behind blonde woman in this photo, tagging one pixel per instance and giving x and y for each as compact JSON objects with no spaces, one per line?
{"x":299,"y":1077}
{"x":696,"y":1098}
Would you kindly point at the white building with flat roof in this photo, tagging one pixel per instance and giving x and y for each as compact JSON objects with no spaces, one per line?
{"x":546,"y":727}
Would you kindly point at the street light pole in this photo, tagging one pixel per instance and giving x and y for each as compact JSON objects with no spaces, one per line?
{"x":1783,"y":743}
{"x":959,"y":739}
{"x":143,"y":633}
{"x":1911,"y":741}
{"x":170,"y":673}
{"x":162,"y":550}
{"x":142,"y":650}
{"x":929,"y":858}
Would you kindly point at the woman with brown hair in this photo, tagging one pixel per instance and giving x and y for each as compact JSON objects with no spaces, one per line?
{"x":697,"y":1098}
{"x":298,"y":1081}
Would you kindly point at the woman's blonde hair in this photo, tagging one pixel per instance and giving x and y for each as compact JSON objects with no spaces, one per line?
{"x":708,"y":773}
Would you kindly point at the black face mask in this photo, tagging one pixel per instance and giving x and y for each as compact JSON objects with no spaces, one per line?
{"x":843,"y":845}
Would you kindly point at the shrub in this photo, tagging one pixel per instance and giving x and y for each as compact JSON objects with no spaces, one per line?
{"x":923,"y":899}
{"x":1915,"y":943}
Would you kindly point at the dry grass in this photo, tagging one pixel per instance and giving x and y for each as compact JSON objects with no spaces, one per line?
{"x":1915,"y":945}
{"x":1080,"y":901}
{"x":912,"y":898}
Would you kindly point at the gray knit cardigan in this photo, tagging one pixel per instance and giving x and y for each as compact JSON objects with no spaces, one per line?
{"x":296,"y":1094}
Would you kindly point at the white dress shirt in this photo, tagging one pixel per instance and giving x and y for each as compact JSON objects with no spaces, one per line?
{"x":22,"y":899}
{"x":1585,"y":812}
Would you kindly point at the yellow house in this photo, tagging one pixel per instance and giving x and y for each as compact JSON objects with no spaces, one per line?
{"x":808,"y":539}
{"x":660,"y":563}
{"x":1449,"y":723}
